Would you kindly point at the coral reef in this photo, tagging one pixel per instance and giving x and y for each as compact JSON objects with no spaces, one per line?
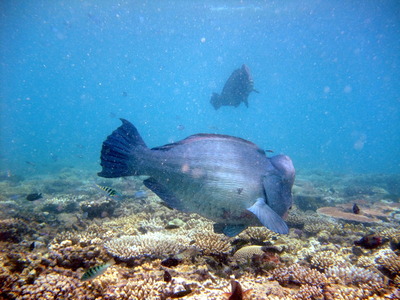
{"x":297,"y":274}
{"x":13,"y":230}
{"x":99,"y":209}
{"x":156,"y":245}
{"x":212,"y":243}
{"x":47,"y":245}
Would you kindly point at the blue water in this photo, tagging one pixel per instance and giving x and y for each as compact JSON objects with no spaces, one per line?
{"x":327,"y":71}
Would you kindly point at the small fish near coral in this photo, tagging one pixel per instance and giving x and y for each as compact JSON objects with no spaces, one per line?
{"x":34,"y":196}
{"x":356,"y":209}
{"x":96,"y":271}
{"x":202,"y":174}
{"x":370,"y":241}
{"x":237,"y":291}
{"x":236,"y":89}
{"x":109,"y":192}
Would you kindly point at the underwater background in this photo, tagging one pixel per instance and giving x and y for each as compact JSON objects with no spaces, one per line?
{"x":327,"y":72}
{"x":328,"y":75}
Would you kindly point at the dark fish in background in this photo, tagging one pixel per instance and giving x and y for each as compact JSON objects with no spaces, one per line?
{"x":202,"y":174}
{"x":370,"y":241}
{"x":236,"y":89}
{"x":92,"y":273}
{"x":34,"y":196}
{"x":356,"y":209}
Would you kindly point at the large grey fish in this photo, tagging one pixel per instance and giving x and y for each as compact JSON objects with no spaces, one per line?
{"x":236,"y":89}
{"x":226,"y":179}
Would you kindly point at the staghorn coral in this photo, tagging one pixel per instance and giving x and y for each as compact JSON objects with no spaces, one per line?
{"x":155,"y":245}
{"x":352,"y":275}
{"x":212,"y":243}
{"x":299,"y":275}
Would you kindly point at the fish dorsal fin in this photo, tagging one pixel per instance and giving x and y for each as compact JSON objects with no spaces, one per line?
{"x":162,"y":192}
{"x":209,"y":136}
{"x":268,"y":217}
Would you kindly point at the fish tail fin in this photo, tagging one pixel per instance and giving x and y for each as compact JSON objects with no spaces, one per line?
{"x":215,"y":101}
{"x":120,"y":150}
{"x":111,"y":262}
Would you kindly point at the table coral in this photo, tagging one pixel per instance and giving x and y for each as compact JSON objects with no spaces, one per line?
{"x":339,"y":213}
{"x":155,"y":245}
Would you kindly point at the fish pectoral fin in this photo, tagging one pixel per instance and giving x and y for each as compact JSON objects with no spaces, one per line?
{"x":268,"y":217}
{"x":229,"y":230}
{"x":162,"y":192}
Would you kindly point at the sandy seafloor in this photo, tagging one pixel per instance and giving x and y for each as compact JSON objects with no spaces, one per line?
{"x":46,"y":245}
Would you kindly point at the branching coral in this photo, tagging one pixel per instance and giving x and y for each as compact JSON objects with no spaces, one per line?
{"x":212,"y":243}
{"x":258,"y":234}
{"x":389,"y":261}
{"x":299,"y":275}
{"x":54,"y":286}
{"x":71,"y":256}
{"x":322,"y":260}
{"x":352,"y":275}
{"x":309,"y":292}
{"x":347,"y":293}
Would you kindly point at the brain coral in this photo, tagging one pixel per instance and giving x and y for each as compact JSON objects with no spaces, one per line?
{"x":151,"y":244}
{"x":245,"y":254}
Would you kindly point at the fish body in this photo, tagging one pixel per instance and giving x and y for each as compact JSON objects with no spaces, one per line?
{"x":34,"y":196}
{"x":236,"y":89}
{"x":96,"y":271}
{"x":109,"y":192}
{"x":223,"y":178}
{"x":370,"y":241}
